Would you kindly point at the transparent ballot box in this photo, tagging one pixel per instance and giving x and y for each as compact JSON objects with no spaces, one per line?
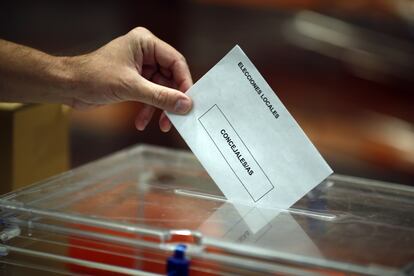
{"x":127,"y":213}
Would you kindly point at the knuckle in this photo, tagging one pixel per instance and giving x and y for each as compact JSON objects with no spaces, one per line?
{"x":182,"y":58}
{"x":160,"y":98}
{"x":141,"y":32}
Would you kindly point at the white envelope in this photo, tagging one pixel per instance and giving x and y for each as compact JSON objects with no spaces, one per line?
{"x":246,"y":139}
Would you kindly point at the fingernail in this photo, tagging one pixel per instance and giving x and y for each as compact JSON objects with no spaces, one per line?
{"x":165,"y":124}
{"x":142,"y":124}
{"x":182,"y":106}
{"x":141,"y":127}
{"x":165,"y":130}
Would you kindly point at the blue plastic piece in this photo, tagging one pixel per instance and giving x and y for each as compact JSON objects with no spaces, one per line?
{"x":178,"y":264}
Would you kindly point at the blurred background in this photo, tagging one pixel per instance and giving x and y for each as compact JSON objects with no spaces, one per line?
{"x":343,"y":68}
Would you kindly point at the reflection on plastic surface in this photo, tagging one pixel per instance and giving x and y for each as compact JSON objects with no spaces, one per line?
{"x":260,"y":227}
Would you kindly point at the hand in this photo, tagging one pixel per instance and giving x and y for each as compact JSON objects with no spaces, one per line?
{"x":135,"y":67}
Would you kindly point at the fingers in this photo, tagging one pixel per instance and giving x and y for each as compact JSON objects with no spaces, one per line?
{"x":157,"y":58}
{"x":172,"y":62}
{"x":144,"y":117}
{"x":164,"y":79}
{"x":153,"y":51}
{"x":166,"y":73}
{"x":148,"y":71}
{"x":165,"y":124}
{"x":160,"y":96}
{"x":145,"y":114}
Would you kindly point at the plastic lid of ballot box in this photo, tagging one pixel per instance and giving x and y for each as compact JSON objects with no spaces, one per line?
{"x":125,"y":214}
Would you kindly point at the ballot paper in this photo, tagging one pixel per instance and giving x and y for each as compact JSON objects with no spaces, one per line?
{"x":246,"y":139}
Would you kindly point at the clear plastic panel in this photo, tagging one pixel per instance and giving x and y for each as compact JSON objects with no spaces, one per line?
{"x":128,"y":211}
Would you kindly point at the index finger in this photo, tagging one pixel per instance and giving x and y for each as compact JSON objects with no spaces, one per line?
{"x":168,"y":57}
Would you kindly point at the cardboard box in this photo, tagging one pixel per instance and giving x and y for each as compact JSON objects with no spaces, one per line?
{"x":34,"y":143}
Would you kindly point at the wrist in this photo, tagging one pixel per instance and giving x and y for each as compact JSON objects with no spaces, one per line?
{"x":64,"y":72}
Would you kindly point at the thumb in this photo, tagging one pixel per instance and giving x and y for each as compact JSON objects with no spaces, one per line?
{"x":161,"y":96}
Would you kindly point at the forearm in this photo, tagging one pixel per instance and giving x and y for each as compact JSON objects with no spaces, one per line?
{"x":29,"y":75}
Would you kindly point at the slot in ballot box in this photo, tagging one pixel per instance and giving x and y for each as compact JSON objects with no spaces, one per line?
{"x":127,"y":213}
